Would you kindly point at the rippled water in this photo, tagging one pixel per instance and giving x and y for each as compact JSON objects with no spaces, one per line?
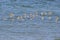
{"x":29,"y":30}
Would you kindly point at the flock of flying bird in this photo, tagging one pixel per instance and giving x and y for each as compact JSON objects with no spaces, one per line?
{"x":31,"y":16}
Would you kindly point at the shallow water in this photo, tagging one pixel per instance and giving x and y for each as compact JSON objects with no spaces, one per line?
{"x":27,"y":29}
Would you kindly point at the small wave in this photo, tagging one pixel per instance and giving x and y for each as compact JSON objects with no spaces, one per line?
{"x":27,"y":6}
{"x":50,"y":0}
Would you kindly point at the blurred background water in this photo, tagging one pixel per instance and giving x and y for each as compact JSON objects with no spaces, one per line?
{"x":29,"y":30}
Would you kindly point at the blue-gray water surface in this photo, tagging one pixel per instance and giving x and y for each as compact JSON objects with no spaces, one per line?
{"x":29,"y":29}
